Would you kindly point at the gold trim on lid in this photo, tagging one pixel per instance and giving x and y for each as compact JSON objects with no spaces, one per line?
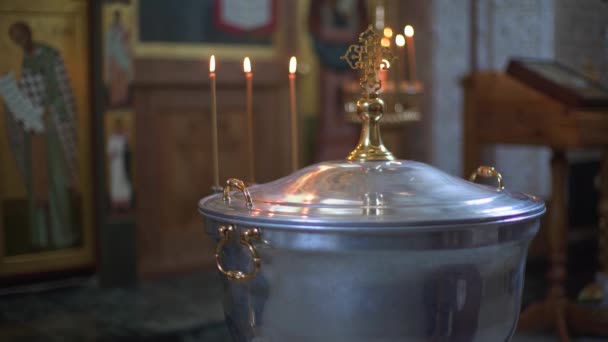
{"x":369,"y":56}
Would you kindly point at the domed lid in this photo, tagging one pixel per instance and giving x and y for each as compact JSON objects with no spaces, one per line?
{"x":370,"y":194}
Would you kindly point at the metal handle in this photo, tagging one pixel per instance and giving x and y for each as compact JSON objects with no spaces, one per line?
{"x":488,"y":171}
{"x":247,"y":236}
{"x":239,"y":184}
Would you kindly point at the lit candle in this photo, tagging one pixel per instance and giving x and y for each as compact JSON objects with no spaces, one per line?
{"x":385,"y":42}
{"x":248,"y":77}
{"x":388,"y":32}
{"x":214,"y":143}
{"x":400,"y":42}
{"x":411,"y":51}
{"x":383,"y":67}
{"x":293,"y":64}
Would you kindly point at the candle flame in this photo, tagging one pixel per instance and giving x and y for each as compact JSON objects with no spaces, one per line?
{"x":400,"y":40}
{"x":385,"y":64}
{"x":212,"y":63}
{"x":385,"y":42}
{"x":388,"y":32}
{"x":247,"y":65}
{"x":408,"y":31}
{"x":293,"y":65}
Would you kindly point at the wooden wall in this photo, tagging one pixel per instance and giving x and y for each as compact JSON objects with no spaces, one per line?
{"x":173,"y":148}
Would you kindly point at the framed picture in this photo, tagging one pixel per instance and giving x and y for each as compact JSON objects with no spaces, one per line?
{"x":46,"y":203}
{"x":195,"y":28}
{"x":120,"y":167}
{"x":559,"y":82}
{"x":118,"y":17}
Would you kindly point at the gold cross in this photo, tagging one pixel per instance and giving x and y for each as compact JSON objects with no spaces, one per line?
{"x":369,"y":56}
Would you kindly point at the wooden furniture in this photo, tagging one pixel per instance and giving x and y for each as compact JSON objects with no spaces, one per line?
{"x":499,"y":109}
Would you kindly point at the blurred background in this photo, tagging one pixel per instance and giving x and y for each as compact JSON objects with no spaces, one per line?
{"x":100,"y":239}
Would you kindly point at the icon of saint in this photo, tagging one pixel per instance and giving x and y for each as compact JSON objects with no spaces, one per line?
{"x":46,"y":157}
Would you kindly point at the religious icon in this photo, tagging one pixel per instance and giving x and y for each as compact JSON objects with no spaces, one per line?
{"x":119,"y":157}
{"x":118,"y":59}
{"x":40,"y":122}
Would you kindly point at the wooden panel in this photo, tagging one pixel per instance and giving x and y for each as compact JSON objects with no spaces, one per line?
{"x":148,"y":202}
{"x":595,"y":126}
{"x":183,"y":177}
{"x":155,"y":72}
{"x":507,"y":111}
{"x":528,"y":127}
{"x":172,"y":101}
{"x":174,"y":162}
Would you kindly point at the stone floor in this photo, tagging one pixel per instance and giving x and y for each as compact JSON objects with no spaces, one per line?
{"x":183,"y":309}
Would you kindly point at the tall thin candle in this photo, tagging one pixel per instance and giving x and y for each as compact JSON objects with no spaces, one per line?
{"x":214,"y":143}
{"x":292,"y":109}
{"x":411,"y":51}
{"x":400,"y":42}
{"x":382,"y":74}
{"x":249,"y":99}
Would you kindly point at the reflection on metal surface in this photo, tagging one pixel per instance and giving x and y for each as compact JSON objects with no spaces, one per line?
{"x":373,"y":203}
{"x":334,"y":193}
{"x":453,"y":297}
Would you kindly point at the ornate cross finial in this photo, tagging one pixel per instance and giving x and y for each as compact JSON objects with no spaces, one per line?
{"x":369,"y":56}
